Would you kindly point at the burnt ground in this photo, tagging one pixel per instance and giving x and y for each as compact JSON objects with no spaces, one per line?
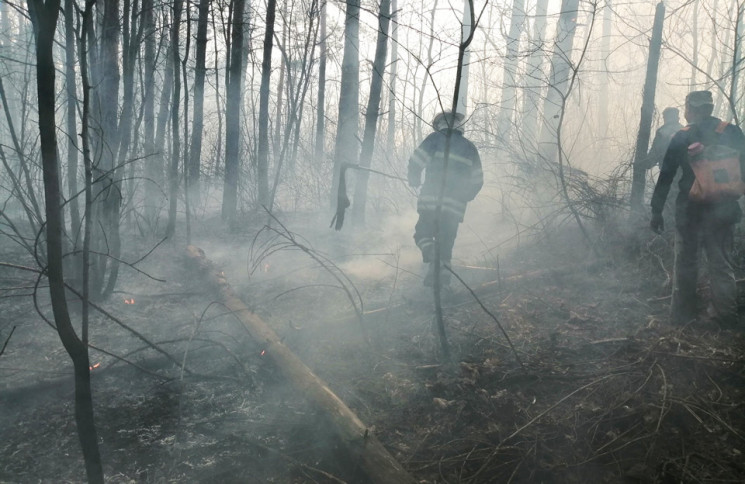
{"x":597,"y":388}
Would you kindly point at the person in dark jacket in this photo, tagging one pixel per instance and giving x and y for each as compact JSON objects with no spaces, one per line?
{"x":698,"y":224}
{"x":463,"y":180}
{"x":663,"y":136}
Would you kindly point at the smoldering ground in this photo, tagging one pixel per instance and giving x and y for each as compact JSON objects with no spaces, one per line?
{"x":597,"y":387}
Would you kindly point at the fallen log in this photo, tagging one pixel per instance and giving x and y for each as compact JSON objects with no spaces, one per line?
{"x":369,"y":454}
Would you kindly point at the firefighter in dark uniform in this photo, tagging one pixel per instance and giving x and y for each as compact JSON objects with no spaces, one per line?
{"x":463,"y":181}
{"x":698,"y":224}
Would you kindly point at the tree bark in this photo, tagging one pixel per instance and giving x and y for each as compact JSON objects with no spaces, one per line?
{"x":200,"y":72}
{"x":232,"y":115}
{"x":346,"y":148}
{"x":44,"y":18}
{"x":561,"y":64}
{"x":173,"y":178}
{"x":647,"y":111}
{"x":534,"y":81}
{"x":148,"y":88}
{"x":509,"y":74}
{"x":373,"y":459}
{"x":320,"y":147}
{"x":266,"y":71}
{"x":371,"y":115}
{"x":603,"y":68}
{"x":72,"y":124}
{"x":391,"y":137}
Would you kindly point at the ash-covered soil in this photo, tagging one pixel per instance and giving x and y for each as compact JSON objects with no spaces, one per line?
{"x":593,"y":384}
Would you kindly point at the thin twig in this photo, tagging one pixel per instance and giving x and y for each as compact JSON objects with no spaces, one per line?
{"x":532,"y":421}
{"x":2,"y":350}
{"x":496,"y":320}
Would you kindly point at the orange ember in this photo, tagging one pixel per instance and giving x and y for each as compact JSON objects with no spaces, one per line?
{"x":129,"y":301}
{"x":263,"y":352}
{"x":91,"y":368}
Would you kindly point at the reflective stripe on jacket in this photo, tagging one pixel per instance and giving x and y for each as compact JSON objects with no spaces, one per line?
{"x":464,"y":175}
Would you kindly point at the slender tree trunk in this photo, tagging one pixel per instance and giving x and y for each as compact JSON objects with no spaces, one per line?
{"x":647,"y":111}
{"x":425,"y":78}
{"x":320,"y":147}
{"x":173,"y":178}
{"x":734,"y":92}
{"x":148,"y":88}
{"x":44,"y":17}
{"x":107,"y":242}
{"x":391,"y":137}
{"x":266,"y":70}
{"x":71,"y":103}
{"x":605,"y":78}
{"x":347,"y":147}
{"x":131,"y":41}
{"x":534,"y":80}
{"x":371,"y":115}
{"x":509,"y":75}
{"x":694,"y":35}
{"x":464,"y":58}
{"x":200,"y":72}
{"x":161,"y":129}
{"x":232,"y":115}
{"x":219,"y":101}
{"x":561,"y":63}
{"x":277,"y":141}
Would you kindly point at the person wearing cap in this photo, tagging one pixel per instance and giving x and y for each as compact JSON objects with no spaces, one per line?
{"x":663,"y":136}
{"x":463,"y":181}
{"x":706,"y":225}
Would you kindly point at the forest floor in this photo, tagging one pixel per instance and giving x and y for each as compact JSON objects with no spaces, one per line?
{"x":595,"y":387}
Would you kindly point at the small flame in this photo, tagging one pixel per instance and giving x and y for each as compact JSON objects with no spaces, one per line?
{"x":129,"y":301}
{"x":91,"y":368}
{"x":267,"y":267}
{"x":263,"y":352}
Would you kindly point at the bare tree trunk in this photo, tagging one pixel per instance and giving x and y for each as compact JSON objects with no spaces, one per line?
{"x":173,"y":178}
{"x":220,"y":105}
{"x":233,"y":115}
{"x":605,"y":78}
{"x":391,"y":137}
{"x":296,"y":93}
{"x":371,"y":115}
{"x":509,"y":75}
{"x":734,"y":91}
{"x":44,"y":17}
{"x":131,"y":41}
{"x":558,"y":78}
{"x":694,"y":35}
{"x":277,"y":141}
{"x":320,"y":147}
{"x":130,"y":45}
{"x":71,"y":104}
{"x":200,"y":72}
{"x":534,"y":81}
{"x":647,"y":111}
{"x":346,"y":148}
{"x":148,"y":88}
{"x":425,"y":78}
{"x":266,"y":70}
{"x":107,"y":242}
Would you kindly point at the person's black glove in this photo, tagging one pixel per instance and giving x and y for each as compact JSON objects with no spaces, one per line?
{"x":657,"y":224}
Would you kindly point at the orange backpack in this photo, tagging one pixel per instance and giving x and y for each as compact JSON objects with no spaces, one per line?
{"x":717,"y":170}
